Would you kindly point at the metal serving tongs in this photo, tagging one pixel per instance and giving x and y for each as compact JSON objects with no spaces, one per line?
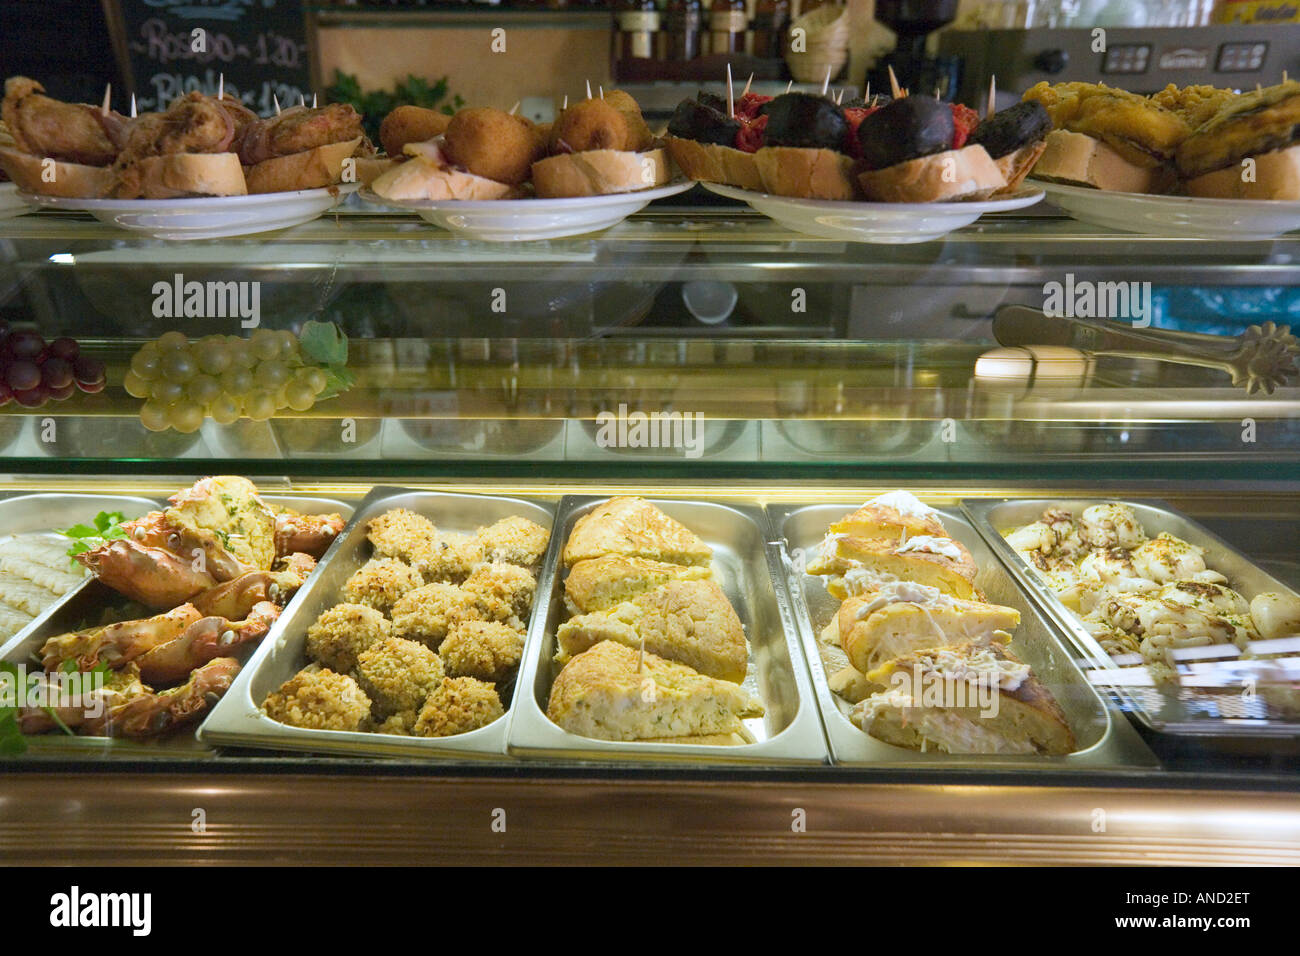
{"x":1259,"y":359}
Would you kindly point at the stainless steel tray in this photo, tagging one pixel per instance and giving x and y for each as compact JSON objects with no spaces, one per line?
{"x":1103,"y":741}
{"x":238,"y":719}
{"x":789,"y":733}
{"x":1188,"y":710}
{"x":89,"y":599}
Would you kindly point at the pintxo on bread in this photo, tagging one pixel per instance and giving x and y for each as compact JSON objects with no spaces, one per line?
{"x":199,"y":146}
{"x":915,"y":650}
{"x":914,"y":149}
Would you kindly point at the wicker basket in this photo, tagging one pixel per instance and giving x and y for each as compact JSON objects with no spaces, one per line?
{"x":825,"y":45}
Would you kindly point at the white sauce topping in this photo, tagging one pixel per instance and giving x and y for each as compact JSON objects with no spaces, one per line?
{"x":931,"y":545}
{"x":905,"y":503}
{"x":897,"y":592}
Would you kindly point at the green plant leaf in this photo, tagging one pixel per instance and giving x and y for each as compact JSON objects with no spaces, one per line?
{"x":324,"y":343}
{"x":337,"y":381}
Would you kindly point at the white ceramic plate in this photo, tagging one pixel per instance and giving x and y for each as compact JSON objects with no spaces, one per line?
{"x":883,"y":222}
{"x":11,"y":204}
{"x":207,"y":217}
{"x":510,"y":220}
{"x":1177,"y":216}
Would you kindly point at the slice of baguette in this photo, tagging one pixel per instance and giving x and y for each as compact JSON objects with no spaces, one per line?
{"x":1276,"y":176}
{"x":422,"y":178}
{"x":178,"y":175}
{"x":1080,"y":160}
{"x":805,"y":173}
{"x":600,"y":172}
{"x":370,"y":168}
{"x":309,"y":169}
{"x":69,"y":180}
{"x":957,"y":174}
{"x":710,"y":163}
{"x":1016,"y":166}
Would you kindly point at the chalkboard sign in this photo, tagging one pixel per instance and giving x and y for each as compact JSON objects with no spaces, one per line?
{"x":176,"y":46}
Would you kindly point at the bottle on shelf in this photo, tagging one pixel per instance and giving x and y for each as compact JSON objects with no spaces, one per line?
{"x":771,"y":19}
{"x":683,"y":25}
{"x":637,"y":22}
{"x":727,"y":25}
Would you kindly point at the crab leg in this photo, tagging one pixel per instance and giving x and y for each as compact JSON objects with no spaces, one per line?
{"x":234,"y":599}
{"x":117,"y":644}
{"x":202,"y":642}
{"x":155,"y":714}
{"x":312,"y":534}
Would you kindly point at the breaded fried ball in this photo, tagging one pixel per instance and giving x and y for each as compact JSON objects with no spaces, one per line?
{"x":487,"y":650}
{"x":639,"y":136}
{"x":591,"y":124}
{"x":410,"y":124}
{"x":403,"y":535}
{"x":400,"y":724}
{"x":398,"y":675}
{"x":492,"y":143}
{"x":514,"y":540}
{"x":319,"y":699}
{"x":342,"y":633}
{"x":459,"y":705}
{"x":452,"y":558}
{"x":503,"y":592}
{"x":427,"y":613}
{"x":380,"y":583}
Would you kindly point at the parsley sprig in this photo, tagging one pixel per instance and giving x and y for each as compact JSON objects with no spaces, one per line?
{"x":107,"y":527}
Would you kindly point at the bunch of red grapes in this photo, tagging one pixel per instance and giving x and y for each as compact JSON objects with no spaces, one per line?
{"x":33,"y":371}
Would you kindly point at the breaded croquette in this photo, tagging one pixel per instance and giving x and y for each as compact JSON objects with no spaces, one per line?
{"x":398,"y":675}
{"x":410,"y":124}
{"x":591,"y":124}
{"x":1139,"y":129}
{"x":427,"y":613}
{"x":400,"y":724}
{"x":319,"y":699}
{"x":452,"y":559}
{"x":514,"y":540}
{"x":639,"y":136}
{"x":503,"y":592}
{"x":342,"y":633}
{"x":380,"y":583}
{"x":494,"y":144}
{"x":487,"y":650}
{"x":457,"y":706}
{"x":403,"y":535}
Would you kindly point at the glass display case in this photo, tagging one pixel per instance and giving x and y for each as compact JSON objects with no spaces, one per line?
{"x":755,"y":386}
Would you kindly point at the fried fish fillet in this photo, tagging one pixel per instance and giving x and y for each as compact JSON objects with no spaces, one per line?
{"x":635,"y":528}
{"x":603,"y":693}
{"x":1252,"y":124}
{"x":1139,"y":129}
{"x":686,"y":621}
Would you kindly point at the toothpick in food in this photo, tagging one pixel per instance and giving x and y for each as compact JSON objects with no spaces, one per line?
{"x":275,"y":101}
{"x":313,"y":101}
{"x":589,"y":89}
{"x":565,"y":105}
{"x":789,"y":86}
{"x":826,"y":83}
{"x":839,"y":97}
{"x":132,"y":106}
{"x":894,"y":89}
{"x":731,"y":95}
{"x":993,"y":96}
{"x":108,"y":95}
{"x":750,"y":81}
{"x":221,"y":86}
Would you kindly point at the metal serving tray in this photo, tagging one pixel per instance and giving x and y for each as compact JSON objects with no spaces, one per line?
{"x":1189,"y":711}
{"x":1102,"y":740}
{"x":790,"y":731}
{"x":89,"y":599}
{"x":238,"y":719}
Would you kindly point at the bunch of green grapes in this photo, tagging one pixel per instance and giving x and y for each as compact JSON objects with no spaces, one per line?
{"x":222,"y":377}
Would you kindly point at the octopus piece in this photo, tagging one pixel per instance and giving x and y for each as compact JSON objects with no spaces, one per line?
{"x":1167,"y":558}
